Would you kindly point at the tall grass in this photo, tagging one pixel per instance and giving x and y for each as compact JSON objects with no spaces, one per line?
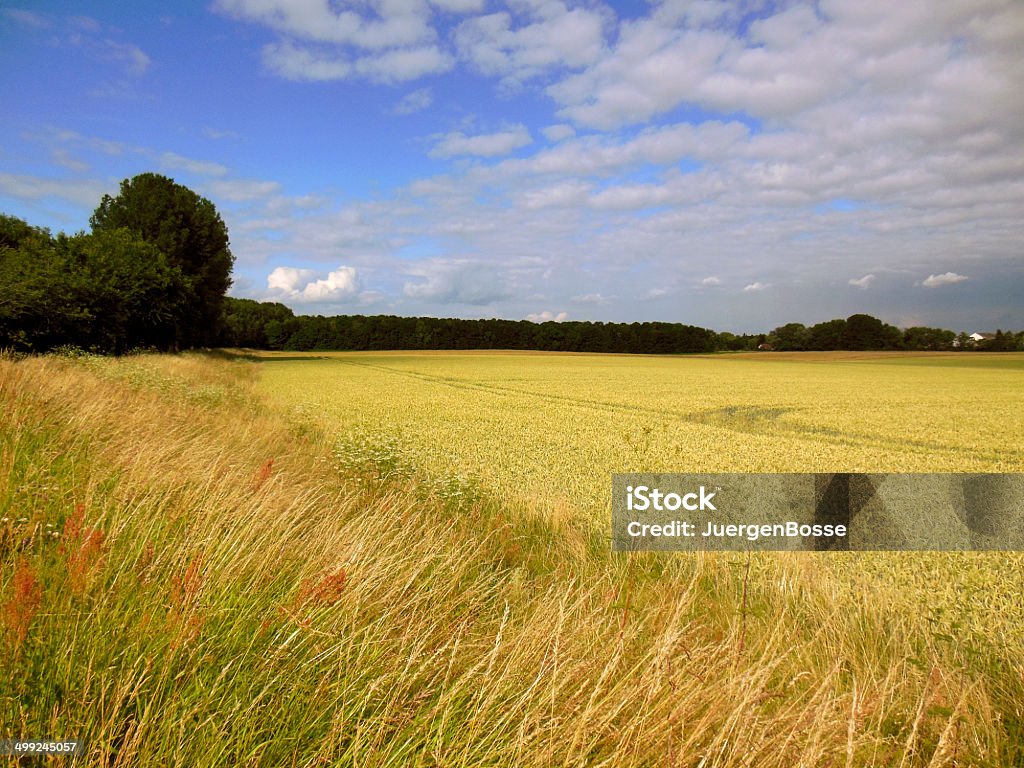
{"x":186,"y":578}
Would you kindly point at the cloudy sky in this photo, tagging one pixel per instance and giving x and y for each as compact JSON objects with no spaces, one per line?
{"x":735,"y":165}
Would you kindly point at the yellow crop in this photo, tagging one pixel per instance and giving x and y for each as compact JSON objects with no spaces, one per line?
{"x":556,"y":426}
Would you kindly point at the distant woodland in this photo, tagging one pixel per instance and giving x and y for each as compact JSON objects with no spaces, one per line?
{"x":264,"y":325}
{"x":154,"y":270}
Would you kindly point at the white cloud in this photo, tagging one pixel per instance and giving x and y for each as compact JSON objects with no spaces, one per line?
{"x":453,"y":281}
{"x":794,"y":60}
{"x":297,"y":62}
{"x":712,"y":280}
{"x":402,"y":64}
{"x":482,"y":145}
{"x":299,"y":285}
{"x":415,"y":101}
{"x":651,"y":70}
{"x":558,"y":132}
{"x":392,"y":23}
{"x":197,"y":167}
{"x":64,"y":159}
{"x":554,"y":36}
{"x":85,"y":192}
{"x":557,"y":195}
{"x":547,"y":316}
{"x":755,"y":287}
{"x":242,"y":190}
{"x":947,"y":278}
{"x":293,"y":62}
{"x":862,"y":282}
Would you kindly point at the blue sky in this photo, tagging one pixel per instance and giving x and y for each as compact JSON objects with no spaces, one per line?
{"x":735,"y":165}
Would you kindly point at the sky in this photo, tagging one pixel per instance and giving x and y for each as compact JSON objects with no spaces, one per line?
{"x":732,"y":165}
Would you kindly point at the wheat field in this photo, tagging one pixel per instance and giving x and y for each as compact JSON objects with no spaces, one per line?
{"x":390,"y":560}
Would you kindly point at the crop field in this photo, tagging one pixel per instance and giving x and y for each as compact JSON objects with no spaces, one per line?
{"x":547,"y":431}
{"x":554,"y":427}
{"x":402,"y":560}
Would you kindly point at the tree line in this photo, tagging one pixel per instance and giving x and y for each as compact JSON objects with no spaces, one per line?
{"x":270,"y":325}
{"x":154,"y":269}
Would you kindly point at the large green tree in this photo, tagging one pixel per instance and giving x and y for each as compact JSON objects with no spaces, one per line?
{"x":190,"y":233}
{"x":109,"y":291}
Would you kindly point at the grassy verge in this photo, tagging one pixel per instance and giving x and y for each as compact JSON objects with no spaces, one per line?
{"x":187,"y":579}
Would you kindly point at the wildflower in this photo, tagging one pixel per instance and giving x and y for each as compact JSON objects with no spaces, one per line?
{"x":82,"y":548}
{"x":16,"y":614}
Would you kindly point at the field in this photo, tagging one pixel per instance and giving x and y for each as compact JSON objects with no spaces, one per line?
{"x":555,"y":427}
{"x":401,"y":559}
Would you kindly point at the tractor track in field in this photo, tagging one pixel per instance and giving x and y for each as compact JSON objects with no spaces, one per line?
{"x":750,"y":419}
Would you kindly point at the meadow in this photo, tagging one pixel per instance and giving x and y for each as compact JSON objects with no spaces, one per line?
{"x":402,"y":559}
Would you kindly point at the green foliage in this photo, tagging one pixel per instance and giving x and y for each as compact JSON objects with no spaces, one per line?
{"x":108,"y":292}
{"x":857,"y":332}
{"x":246,"y":322}
{"x":867,"y":332}
{"x":919,"y":337}
{"x":152,"y":274}
{"x":791,"y":337}
{"x":828,"y":335}
{"x":282,"y":330}
{"x":190,"y":233}
{"x":14,"y":232}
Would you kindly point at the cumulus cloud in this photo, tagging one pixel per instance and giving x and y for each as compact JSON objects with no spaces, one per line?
{"x":395,"y":23}
{"x":547,"y":316}
{"x":302,"y":285}
{"x":946,"y":278}
{"x":482,"y":145}
{"x":862,"y":282}
{"x":795,"y":60}
{"x":554,"y":35}
{"x":797,"y":141}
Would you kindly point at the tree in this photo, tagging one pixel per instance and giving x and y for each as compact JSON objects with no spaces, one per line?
{"x":246,"y":322}
{"x":107,"y":292}
{"x":14,"y":232}
{"x":790,"y":337}
{"x":827,"y":335}
{"x":133,"y":296}
{"x":187,"y":229}
{"x":921,"y":337}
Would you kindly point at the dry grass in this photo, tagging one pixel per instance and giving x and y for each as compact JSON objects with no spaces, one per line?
{"x":221,"y":595}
